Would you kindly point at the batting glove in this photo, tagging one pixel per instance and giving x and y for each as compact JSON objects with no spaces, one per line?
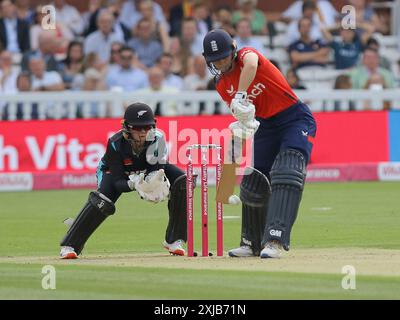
{"x":242,"y":131}
{"x":243,"y":110}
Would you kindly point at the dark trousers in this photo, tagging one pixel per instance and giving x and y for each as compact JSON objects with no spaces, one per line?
{"x":293,"y":128}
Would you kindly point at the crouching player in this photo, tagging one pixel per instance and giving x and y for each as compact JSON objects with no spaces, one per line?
{"x":135,"y":159}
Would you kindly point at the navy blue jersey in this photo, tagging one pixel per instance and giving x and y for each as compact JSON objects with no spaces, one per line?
{"x":346,"y":54}
{"x":121,"y":161}
{"x":303,"y":47}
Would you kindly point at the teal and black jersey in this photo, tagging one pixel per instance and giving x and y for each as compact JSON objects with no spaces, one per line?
{"x":121,"y":161}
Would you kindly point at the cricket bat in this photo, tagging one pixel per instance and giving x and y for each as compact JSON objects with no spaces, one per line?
{"x":227,"y":182}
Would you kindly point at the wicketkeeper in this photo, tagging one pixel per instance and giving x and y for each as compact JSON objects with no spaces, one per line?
{"x":283,"y":128}
{"x":135,"y":159}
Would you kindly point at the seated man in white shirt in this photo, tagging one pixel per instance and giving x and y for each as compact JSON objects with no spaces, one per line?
{"x":43,"y":80}
{"x":126,"y":77}
{"x":101,"y":40}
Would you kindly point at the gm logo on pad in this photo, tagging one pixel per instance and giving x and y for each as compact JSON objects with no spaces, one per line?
{"x":275,"y":233}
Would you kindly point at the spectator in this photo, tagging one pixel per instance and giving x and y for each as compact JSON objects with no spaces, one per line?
{"x":383,"y":62}
{"x":43,"y":80}
{"x":159,"y":31}
{"x":248,"y":9}
{"x":191,"y":38}
{"x":114,"y":7}
{"x":73,"y":63}
{"x":24,"y":11}
{"x":100,"y":41}
{"x":178,"y":14}
{"x":362,"y":76}
{"x":23,"y":84}
{"x":200,"y":78}
{"x":202,"y":16}
{"x":69,"y":16}
{"x":244,"y":36}
{"x":48,"y":45}
{"x":115,"y":59}
{"x":62,"y":34}
{"x":343,"y":82}
{"x":366,"y":18}
{"x":170,"y":79}
{"x":181,"y":58}
{"x":325,"y":13}
{"x":126,"y":76}
{"x":130,"y":14}
{"x":8,"y":76}
{"x":147,"y":49}
{"x":294,"y":80}
{"x":92,"y":81}
{"x":348,"y":49}
{"x":14,"y":32}
{"x":306,"y":52}
{"x":157,"y":85}
{"x":91,"y":61}
{"x":223,"y":20}
{"x":309,"y":10}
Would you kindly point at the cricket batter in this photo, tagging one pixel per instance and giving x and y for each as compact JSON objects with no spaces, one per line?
{"x":283,"y":129}
{"x":135,"y":159}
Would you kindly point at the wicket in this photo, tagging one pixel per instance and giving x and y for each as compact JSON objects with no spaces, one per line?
{"x":204,"y":150}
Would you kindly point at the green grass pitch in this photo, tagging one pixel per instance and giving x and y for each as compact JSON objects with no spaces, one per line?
{"x":356,"y":224}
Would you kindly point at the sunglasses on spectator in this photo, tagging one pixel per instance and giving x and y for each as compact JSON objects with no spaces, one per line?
{"x":126,"y":57}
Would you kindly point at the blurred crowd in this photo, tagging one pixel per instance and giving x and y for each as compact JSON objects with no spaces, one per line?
{"x":134,"y":46}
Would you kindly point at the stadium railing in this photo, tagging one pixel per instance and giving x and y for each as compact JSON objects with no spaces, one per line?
{"x":72,"y":105}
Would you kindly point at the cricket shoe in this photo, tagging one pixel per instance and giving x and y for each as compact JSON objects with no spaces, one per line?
{"x":241,"y":252}
{"x":68,"y":253}
{"x":272,"y":249}
{"x":175,"y":248}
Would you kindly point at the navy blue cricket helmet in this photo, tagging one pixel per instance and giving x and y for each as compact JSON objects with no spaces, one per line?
{"x":217,"y":45}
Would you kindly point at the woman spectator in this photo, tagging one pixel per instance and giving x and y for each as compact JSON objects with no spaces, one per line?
{"x":181,"y":58}
{"x":72,"y":65}
{"x":91,"y":61}
{"x":158,"y":29}
{"x":247,"y":9}
{"x":115,"y":57}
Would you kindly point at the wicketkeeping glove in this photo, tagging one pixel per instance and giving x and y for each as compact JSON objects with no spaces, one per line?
{"x":154,"y":187}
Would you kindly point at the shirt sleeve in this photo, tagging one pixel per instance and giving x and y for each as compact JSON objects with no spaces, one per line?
{"x":115,"y":164}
